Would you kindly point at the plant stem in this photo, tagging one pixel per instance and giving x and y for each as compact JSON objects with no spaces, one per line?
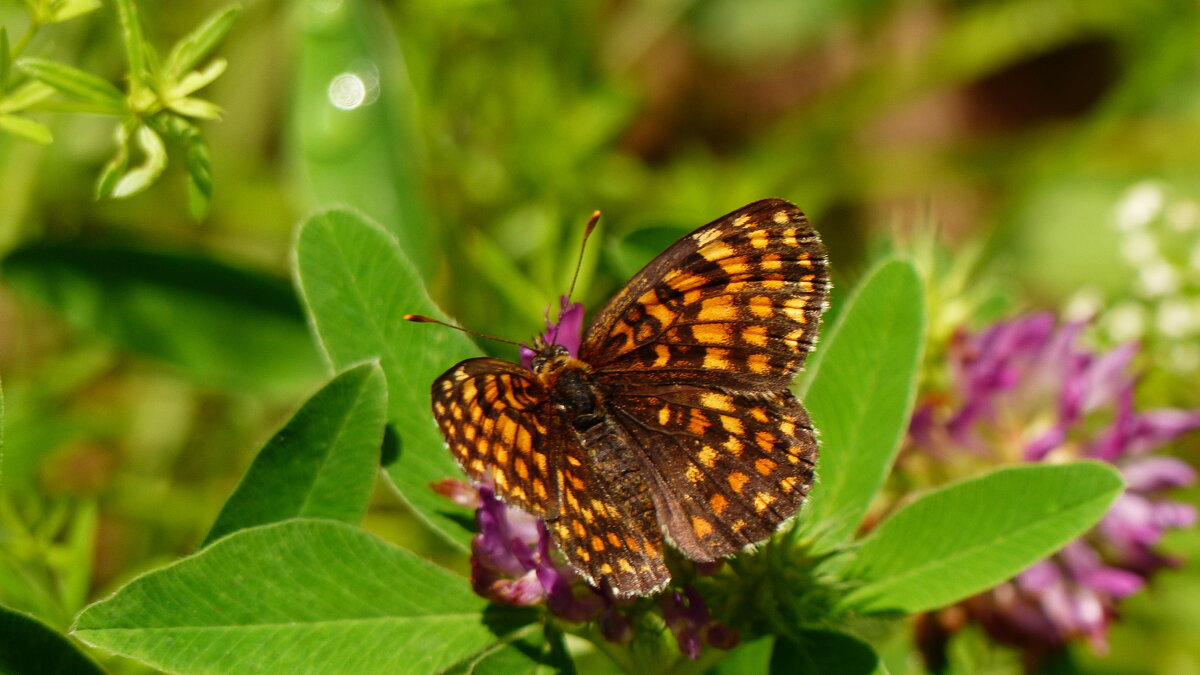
{"x":25,"y":38}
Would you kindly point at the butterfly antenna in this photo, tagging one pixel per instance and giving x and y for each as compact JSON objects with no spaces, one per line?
{"x":421,"y":318}
{"x":587,"y":232}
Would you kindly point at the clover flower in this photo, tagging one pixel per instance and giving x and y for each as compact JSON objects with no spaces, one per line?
{"x":513,"y":560}
{"x":1025,"y":391}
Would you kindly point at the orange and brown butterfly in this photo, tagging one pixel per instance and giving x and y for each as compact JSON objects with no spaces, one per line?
{"x":674,"y":422}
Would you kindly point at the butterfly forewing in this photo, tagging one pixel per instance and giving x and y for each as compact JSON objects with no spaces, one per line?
{"x":735,"y":304}
{"x":495,"y":418}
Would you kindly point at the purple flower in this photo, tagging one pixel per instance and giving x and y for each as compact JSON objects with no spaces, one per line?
{"x":1026,"y":391}
{"x":567,"y":331}
{"x":688,"y":619}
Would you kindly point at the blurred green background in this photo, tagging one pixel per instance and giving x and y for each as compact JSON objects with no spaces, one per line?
{"x":147,"y":355}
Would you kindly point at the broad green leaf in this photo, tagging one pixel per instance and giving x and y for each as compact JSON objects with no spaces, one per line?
{"x":354,"y":124}
{"x":967,"y":537}
{"x":154,"y":160}
{"x":222,"y":325}
{"x":314,"y":596}
{"x":358,"y":286}
{"x":199,"y":43}
{"x":823,"y":652}
{"x":535,"y":650}
{"x":748,"y":657}
{"x":321,"y":464}
{"x":863,"y":380}
{"x":29,"y":646}
{"x":26,"y":128}
{"x":75,"y":83}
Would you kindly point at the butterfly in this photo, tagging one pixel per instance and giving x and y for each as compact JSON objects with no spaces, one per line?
{"x":674,"y":422}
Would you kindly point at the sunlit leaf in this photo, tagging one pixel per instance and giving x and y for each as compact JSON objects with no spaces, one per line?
{"x":967,"y":537}
{"x":196,"y":107}
{"x":135,"y":45}
{"x":198,"y":79}
{"x":28,"y":93}
{"x":863,"y":383}
{"x":321,"y":464}
{"x":26,"y":128}
{"x":358,"y":286}
{"x":199,"y":43}
{"x":69,"y":9}
{"x":117,"y":164}
{"x":314,"y":596}
{"x":154,"y":160}
{"x":75,"y":83}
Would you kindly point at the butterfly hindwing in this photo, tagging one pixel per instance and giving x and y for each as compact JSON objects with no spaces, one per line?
{"x":729,"y":468}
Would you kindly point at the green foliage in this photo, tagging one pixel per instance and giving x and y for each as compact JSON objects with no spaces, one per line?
{"x":863,"y":382}
{"x":29,"y":646}
{"x":967,"y":537}
{"x":321,"y":464}
{"x":358,"y":285}
{"x":823,"y":652}
{"x":312,"y":595}
{"x":158,"y":101}
{"x":245,"y":329}
{"x":364,"y":150}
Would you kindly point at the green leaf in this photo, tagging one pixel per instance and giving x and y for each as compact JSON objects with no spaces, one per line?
{"x":314,"y":596}
{"x":199,"y":43}
{"x":139,"y":178}
{"x":197,"y":160}
{"x":358,"y":286}
{"x":821,"y":652}
{"x":29,"y":646}
{"x":748,"y":657}
{"x":243,"y":329}
{"x":27,"y":94}
{"x":863,"y":382}
{"x":967,"y":537}
{"x":136,"y":50}
{"x":5,"y":60}
{"x":76,"y":83}
{"x":26,"y":128}
{"x":321,"y":464}
{"x":368,"y":156}
{"x":69,"y":9}
{"x":536,"y":650}
{"x":115,"y":168}
{"x":198,"y":79}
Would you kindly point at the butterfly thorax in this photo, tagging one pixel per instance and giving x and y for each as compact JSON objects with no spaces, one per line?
{"x":569,"y":384}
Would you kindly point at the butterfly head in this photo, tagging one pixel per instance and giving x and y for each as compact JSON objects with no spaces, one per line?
{"x":548,"y":357}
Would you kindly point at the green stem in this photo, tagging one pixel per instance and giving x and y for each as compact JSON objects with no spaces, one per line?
{"x":25,"y":38}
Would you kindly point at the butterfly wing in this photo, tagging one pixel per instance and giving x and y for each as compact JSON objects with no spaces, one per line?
{"x":728,"y":468}
{"x":607,"y":531}
{"x":501,"y":427}
{"x":497,"y":420}
{"x":734,"y":305}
